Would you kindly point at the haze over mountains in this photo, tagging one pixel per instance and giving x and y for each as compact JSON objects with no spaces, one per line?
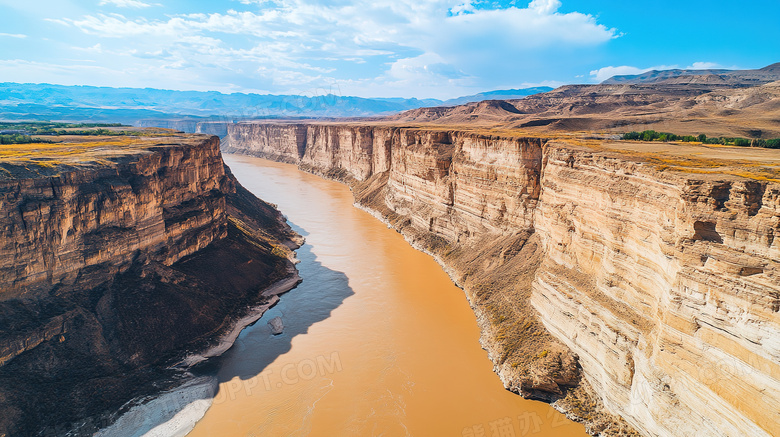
{"x":127,"y":105}
{"x":673,"y":100}
{"x":735,"y":103}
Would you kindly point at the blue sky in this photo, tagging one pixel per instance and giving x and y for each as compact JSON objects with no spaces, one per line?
{"x":374,"y":48}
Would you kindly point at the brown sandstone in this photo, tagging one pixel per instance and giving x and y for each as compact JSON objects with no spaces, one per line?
{"x":118,"y":257}
{"x":651,"y":288}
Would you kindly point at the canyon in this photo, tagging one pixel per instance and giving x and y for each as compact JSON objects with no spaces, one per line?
{"x":636,"y":288}
{"x":119,"y":257}
{"x":633,"y":285}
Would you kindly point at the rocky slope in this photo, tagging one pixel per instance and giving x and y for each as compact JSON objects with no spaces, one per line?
{"x":686,"y":108}
{"x":624,"y":291}
{"x":113,"y":268}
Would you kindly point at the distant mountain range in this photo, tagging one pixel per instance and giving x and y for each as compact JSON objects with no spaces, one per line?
{"x":127,"y":105}
{"x":496,"y":95}
{"x":718,"y":103}
{"x":761,"y":76}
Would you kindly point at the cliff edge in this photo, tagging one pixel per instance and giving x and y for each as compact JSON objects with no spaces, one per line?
{"x":118,"y":257}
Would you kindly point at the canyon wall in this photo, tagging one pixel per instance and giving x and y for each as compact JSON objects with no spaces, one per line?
{"x":167,"y":204}
{"x":184,"y":125}
{"x":111,"y":273}
{"x":278,"y":143}
{"x":190,"y":126}
{"x":218,"y":128}
{"x":666,"y":287}
{"x":657,"y":291}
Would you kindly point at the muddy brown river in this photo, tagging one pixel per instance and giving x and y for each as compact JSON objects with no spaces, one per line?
{"x":377,"y":340}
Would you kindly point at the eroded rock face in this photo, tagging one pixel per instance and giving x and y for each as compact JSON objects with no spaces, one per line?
{"x":279,"y":143}
{"x":185,"y":125}
{"x":459,"y":185}
{"x":663,"y":285}
{"x":218,"y":128}
{"x":167,"y":204}
{"x":667,"y":289}
{"x":112,"y":273}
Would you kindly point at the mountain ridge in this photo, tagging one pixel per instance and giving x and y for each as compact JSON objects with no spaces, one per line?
{"x":759,"y":76}
{"x":79,"y":102}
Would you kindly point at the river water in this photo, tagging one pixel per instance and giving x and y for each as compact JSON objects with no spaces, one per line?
{"x":377,"y":340}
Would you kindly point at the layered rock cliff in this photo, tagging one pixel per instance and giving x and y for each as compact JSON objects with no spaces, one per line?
{"x":183,"y":125}
{"x":169,"y":204}
{"x":599,"y":280}
{"x":112,"y":271}
{"x":218,"y":128}
{"x":667,"y":288}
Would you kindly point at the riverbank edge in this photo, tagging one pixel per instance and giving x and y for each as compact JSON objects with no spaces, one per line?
{"x":175,"y":412}
{"x":579,"y":403}
{"x":482,"y":322}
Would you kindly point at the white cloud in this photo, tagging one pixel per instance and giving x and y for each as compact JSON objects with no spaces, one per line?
{"x":125,"y":3}
{"x":424,"y":68}
{"x":605,"y":73}
{"x":704,"y":66}
{"x":97,"y":48}
{"x":13,"y":35}
{"x":545,"y":7}
{"x":117,"y":26}
{"x":522,"y":29}
{"x":463,"y":8}
{"x":288,"y":78}
{"x":440,"y":45}
{"x":422,"y":25}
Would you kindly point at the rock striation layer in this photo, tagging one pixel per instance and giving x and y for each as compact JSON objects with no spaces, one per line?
{"x":112,"y":272}
{"x":168,"y":204}
{"x":218,"y":128}
{"x":183,"y":125}
{"x":591,"y":272}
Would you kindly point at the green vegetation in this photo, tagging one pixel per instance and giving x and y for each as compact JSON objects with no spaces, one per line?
{"x":95,"y":132}
{"x":19,"y":139}
{"x":55,"y":128}
{"x":20,"y":131}
{"x":651,"y":135}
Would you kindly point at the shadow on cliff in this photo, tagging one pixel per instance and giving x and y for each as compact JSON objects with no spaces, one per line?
{"x":322,"y":291}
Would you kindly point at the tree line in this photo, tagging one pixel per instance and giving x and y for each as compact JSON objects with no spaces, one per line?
{"x":19,"y":139}
{"x":56,"y":128}
{"x":22,"y":132}
{"x":651,"y":135}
